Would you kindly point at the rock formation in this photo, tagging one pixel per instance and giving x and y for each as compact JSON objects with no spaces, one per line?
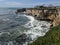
{"x":20,"y":10}
{"x":51,"y":14}
{"x":56,"y":20}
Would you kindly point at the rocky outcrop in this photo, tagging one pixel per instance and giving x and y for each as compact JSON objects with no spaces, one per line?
{"x":56,"y":20}
{"x":50,"y":14}
{"x":20,"y":10}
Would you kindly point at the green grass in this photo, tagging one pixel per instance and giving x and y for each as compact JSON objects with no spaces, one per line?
{"x":51,"y":38}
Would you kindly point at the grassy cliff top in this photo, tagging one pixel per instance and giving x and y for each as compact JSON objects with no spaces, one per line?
{"x":51,"y":38}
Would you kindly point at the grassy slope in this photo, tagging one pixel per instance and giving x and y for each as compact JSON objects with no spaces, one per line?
{"x":51,"y":38}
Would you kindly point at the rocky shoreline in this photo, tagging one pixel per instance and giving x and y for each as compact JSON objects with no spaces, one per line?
{"x":50,"y":14}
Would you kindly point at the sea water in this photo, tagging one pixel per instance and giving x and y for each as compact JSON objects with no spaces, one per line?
{"x":14,"y":25}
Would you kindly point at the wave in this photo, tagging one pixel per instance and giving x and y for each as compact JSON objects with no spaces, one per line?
{"x":36,"y":28}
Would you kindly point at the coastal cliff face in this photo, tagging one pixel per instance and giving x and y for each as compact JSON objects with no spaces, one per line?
{"x":56,"y":20}
{"x":33,"y":12}
{"x":46,"y":14}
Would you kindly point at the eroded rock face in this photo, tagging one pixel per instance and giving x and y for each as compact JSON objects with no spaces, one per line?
{"x":53,"y":15}
{"x":56,"y":21}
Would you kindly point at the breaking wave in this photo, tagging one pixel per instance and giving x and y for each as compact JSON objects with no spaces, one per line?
{"x":36,"y":28}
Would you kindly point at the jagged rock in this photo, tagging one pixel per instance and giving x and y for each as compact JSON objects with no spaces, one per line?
{"x":20,"y":10}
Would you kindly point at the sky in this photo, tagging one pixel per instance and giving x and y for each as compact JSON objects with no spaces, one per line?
{"x":27,"y":3}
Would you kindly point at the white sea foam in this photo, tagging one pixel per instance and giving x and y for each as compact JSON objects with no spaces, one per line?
{"x":7,"y":19}
{"x":37,"y":28}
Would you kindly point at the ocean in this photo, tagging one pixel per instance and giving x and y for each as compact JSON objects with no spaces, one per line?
{"x":20,"y":29}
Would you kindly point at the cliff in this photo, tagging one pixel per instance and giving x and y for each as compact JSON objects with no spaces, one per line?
{"x":47,"y":14}
{"x":50,"y":14}
{"x":56,"y":20}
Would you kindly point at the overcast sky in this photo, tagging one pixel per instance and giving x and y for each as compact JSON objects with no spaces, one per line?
{"x":27,"y":3}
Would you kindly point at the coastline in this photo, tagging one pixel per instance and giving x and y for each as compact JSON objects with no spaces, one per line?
{"x":53,"y":17}
{"x":51,"y":37}
{"x":50,"y":14}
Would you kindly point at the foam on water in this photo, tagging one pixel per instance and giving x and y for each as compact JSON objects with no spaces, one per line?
{"x":37,"y":28}
{"x":7,"y":19}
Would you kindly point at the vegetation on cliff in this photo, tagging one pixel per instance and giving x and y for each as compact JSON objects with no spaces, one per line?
{"x":51,"y":38}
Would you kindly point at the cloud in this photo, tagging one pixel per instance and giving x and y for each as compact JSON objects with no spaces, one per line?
{"x":27,"y":3}
{"x":11,"y":4}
